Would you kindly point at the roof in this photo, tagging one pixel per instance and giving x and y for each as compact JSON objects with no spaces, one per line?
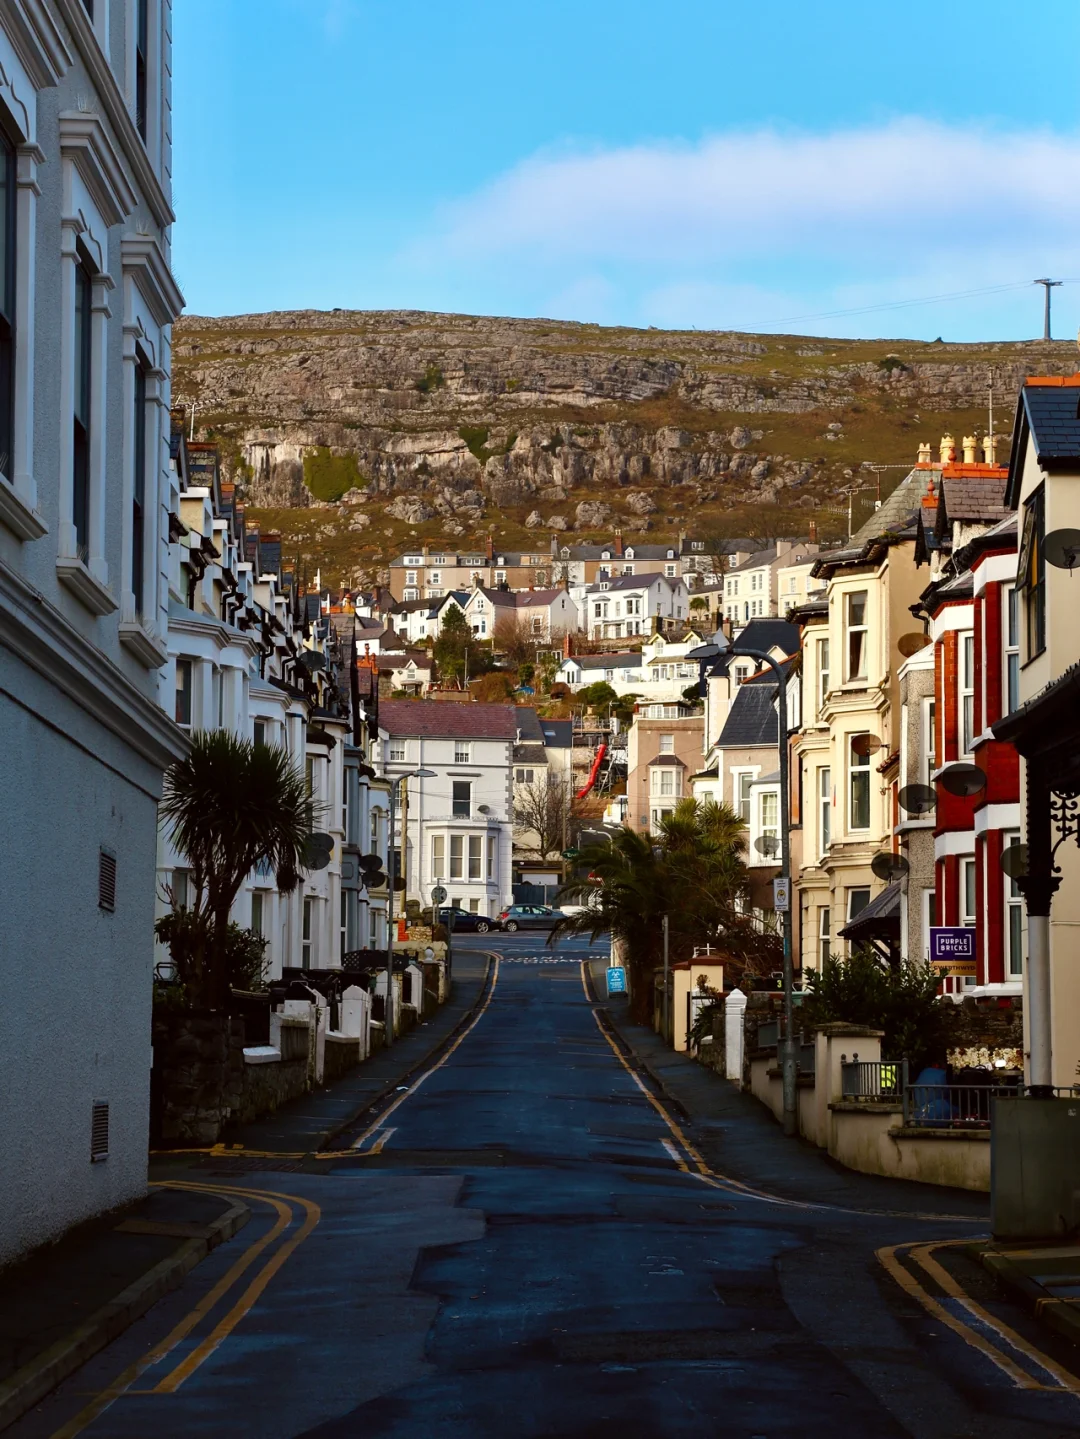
{"x":895,"y":509}
{"x":526,"y":598}
{"x":528,"y":724}
{"x":880,"y":918}
{"x":769,"y":634}
{"x":398,"y":661}
{"x":752,"y":717}
{"x":558,"y":734}
{"x":975,"y":497}
{"x":530,"y":754}
{"x":605,"y":662}
{"x":633,"y":582}
{"x":1046,"y":411}
{"x":430,"y":719}
{"x":755,"y":562}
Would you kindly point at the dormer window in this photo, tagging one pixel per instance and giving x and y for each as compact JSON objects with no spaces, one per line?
{"x":605,"y":554}
{"x":671,"y":554}
{"x":630,"y":553}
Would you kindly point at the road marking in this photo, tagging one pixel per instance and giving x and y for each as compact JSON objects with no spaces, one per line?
{"x":385,"y":1115}
{"x":675,"y":1155}
{"x":121,"y":1385}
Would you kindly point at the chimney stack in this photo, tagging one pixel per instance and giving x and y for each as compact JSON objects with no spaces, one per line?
{"x":924,"y":454}
{"x":554,"y":544}
{"x":618,"y":544}
{"x":811,"y":532}
{"x":490,"y":548}
{"x":988,"y":449}
{"x":969,"y":449}
{"x":947,"y":449}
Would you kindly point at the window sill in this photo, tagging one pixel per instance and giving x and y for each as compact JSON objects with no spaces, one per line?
{"x":17,"y":515}
{"x":97,"y":598}
{"x":146,"y":648}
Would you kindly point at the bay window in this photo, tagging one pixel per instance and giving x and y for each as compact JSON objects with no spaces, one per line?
{"x":457,"y":856}
{"x":824,"y":809}
{"x":823,"y":673}
{"x":438,"y":856}
{"x":80,"y":461}
{"x":476,"y":845}
{"x":824,"y":935}
{"x":138,"y":498}
{"x":967,"y":692}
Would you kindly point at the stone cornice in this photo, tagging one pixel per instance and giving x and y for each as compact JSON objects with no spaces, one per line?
{"x":83,"y":139}
{"x":37,"y":41}
{"x":142,"y":259}
{"x":39,"y":635}
{"x":115,"y":107}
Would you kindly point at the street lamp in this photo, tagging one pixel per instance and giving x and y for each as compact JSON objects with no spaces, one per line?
{"x":391,"y":877}
{"x":703,"y":654}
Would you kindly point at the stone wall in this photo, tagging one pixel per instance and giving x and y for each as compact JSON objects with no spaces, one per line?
{"x":198,"y":1075}
{"x":267,"y":1087}
{"x":341,"y":1055}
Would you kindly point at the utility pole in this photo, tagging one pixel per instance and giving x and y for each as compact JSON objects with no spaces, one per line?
{"x":1047,"y":285}
{"x":666,"y":1011}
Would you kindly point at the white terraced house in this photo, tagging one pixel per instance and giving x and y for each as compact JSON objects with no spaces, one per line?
{"x":635,"y":605}
{"x":87,"y":300}
{"x":457,"y":825}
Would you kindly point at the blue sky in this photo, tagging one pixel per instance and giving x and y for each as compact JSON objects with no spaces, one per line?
{"x":686,"y":163}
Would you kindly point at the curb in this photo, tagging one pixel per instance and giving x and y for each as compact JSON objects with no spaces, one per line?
{"x":635,"y":1057}
{"x":30,"y":1384}
{"x":1057,"y":1313}
{"x":390,"y":1089}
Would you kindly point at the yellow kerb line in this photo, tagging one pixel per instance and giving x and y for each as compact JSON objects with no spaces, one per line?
{"x":385,"y":1115}
{"x":116,"y":1389}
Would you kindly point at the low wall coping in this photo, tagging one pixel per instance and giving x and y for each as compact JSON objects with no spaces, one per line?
{"x":866,"y":1106}
{"x":802,"y":1080}
{"x":839,"y":1028}
{"x":262,"y":1054}
{"x":980,"y":1136}
{"x":294,"y":1021}
{"x":333,"y":1036}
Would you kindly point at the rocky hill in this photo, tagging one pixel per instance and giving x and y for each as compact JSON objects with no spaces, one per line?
{"x":351,"y":431}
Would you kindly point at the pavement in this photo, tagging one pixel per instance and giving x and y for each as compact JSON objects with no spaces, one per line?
{"x":554,"y":1229}
{"x":69,"y":1300}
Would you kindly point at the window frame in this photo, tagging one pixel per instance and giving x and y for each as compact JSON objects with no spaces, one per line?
{"x":1010,"y":634}
{"x":824,"y":797}
{"x":461,"y":807}
{"x":823,"y":663}
{"x":858,"y":768}
{"x":1015,"y":944}
{"x":184,"y":666}
{"x":861,"y":672}
{"x":457,"y":857}
{"x":965,"y":692}
{"x":1031,"y":573}
{"x":824,"y":934}
{"x":462,"y":752}
{"x":475,"y":856}
{"x":82,"y":418}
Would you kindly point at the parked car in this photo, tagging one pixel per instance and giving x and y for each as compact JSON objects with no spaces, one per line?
{"x":529,"y":916}
{"x":464,"y":919}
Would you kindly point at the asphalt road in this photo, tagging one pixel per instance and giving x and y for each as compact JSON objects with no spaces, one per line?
{"x":527,"y":1246}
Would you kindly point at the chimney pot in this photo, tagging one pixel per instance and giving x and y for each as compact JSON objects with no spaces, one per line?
{"x":924,"y":454}
{"x":988,"y":449}
{"x":811,"y":532}
{"x":947,"y":449}
{"x":970,"y":445}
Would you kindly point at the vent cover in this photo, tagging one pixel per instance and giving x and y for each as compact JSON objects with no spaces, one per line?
{"x":106,"y":880}
{"x":99,"y":1131}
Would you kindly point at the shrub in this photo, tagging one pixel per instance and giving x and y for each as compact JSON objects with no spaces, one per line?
{"x":901,"y":999}
{"x":329,"y":476}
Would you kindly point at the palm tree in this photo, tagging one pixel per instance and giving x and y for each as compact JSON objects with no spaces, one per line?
{"x":232,"y":805}
{"x":693,"y":871}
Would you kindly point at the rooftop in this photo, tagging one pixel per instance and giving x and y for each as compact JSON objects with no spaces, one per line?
{"x":429,"y":719}
{"x":752,"y":718}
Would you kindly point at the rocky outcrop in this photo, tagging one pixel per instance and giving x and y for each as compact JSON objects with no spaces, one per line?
{"x":454,"y":418}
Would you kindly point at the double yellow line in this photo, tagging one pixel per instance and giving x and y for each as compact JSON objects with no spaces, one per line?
{"x":286,"y":1215}
{"x":1026,"y":1365}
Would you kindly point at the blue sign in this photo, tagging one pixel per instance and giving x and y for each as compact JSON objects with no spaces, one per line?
{"x":616,"y":980}
{"x":952,"y":943}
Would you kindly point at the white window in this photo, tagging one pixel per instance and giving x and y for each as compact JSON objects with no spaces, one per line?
{"x":500,"y":577}
{"x":438,"y":856}
{"x":397,"y":751}
{"x":434,"y":577}
{"x":743,"y":780}
{"x":792,"y":585}
{"x":824,"y":934}
{"x":182,"y":713}
{"x":476,"y":846}
{"x":523,"y":775}
{"x":824,"y":787}
{"x":967,"y":692}
{"x":823,"y":672}
{"x":858,"y":787}
{"x":257,"y":912}
{"x":1014,"y":917}
{"x":492,"y":861}
{"x":1011,"y":606}
{"x":929,"y":739}
{"x":929,"y":917}
{"x":770,"y":815}
{"x":410,"y":577}
{"x":457,"y":856}
{"x":667,"y":781}
{"x":462,"y":751}
{"x":667,"y":744}
{"x":307,"y":941}
{"x":855,"y":615}
{"x":967,"y":893}
{"x":669,"y":570}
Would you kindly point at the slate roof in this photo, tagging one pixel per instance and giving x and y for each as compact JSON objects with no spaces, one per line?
{"x":755,"y":562}
{"x":529,"y":725}
{"x":974,"y":497}
{"x":431,"y":719}
{"x":633,"y":582}
{"x":1047,"y":411}
{"x":558,"y":734}
{"x":768,"y":634}
{"x":399,"y":661}
{"x":530,"y":754}
{"x":752,"y":718}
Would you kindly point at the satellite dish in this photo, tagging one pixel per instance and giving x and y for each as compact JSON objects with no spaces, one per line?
{"x":917,"y":798}
{"x":1062,"y":549}
{"x":865,"y":744}
{"x":317,"y":851}
{"x":767,"y":844}
{"x":889,"y":866}
{"x":963,"y":780}
{"x":911,"y":644}
{"x":1014,"y":860}
{"x":483,"y":809}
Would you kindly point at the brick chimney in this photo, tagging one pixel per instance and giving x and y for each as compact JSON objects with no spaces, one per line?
{"x":424,"y":552}
{"x":490,"y":548}
{"x":554,"y":544}
{"x":618,"y":544}
{"x":969,"y":443}
{"x":566,"y":650}
{"x":811,"y":532}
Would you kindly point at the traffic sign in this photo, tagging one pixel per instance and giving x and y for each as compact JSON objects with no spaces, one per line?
{"x":616,"y":979}
{"x":571,"y":853}
{"x":438,"y":895}
{"x":781,"y":888}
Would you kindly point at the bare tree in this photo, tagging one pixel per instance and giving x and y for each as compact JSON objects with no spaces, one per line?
{"x":542,"y":812}
{"x":514,"y":639}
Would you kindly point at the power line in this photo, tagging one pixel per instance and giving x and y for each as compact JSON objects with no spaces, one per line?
{"x":906,"y":304}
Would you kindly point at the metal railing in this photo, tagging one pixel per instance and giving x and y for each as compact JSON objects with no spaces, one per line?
{"x":952,"y":1106}
{"x":885,"y":1079}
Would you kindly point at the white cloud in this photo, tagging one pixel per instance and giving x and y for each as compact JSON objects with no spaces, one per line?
{"x":910,"y":188}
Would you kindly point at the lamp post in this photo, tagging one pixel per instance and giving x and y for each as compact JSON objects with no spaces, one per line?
{"x":391,"y":877}
{"x":703,"y":654}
